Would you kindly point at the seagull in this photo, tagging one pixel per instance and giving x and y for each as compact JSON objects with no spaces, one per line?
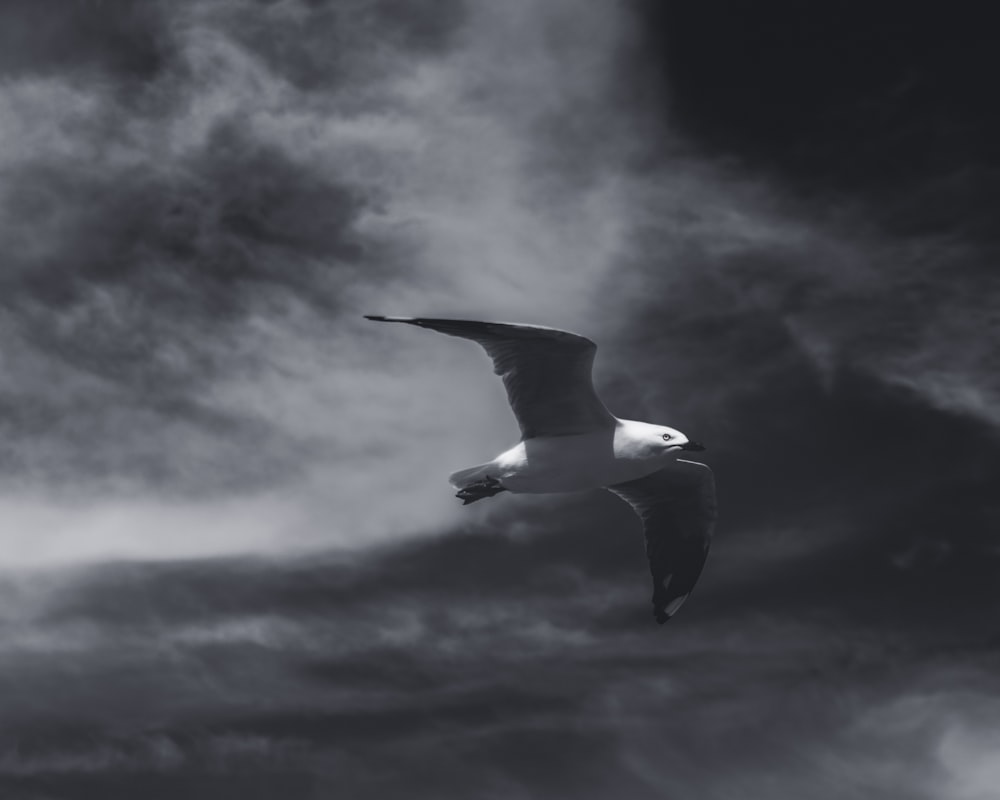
{"x":571,"y":442}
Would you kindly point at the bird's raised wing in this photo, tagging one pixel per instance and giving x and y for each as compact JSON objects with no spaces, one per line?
{"x":547,"y":373}
{"x":677,"y":508}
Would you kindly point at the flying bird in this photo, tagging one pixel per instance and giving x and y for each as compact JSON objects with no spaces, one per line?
{"x":571,"y":442}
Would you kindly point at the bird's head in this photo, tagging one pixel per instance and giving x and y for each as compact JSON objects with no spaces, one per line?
{"x":656,"y":442}
{"x":671,"y":440}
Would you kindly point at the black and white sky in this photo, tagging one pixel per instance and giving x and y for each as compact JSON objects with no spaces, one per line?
{"x":231,"y":563}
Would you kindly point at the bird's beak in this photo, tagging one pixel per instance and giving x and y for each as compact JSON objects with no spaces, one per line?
{"x":692,"y":445}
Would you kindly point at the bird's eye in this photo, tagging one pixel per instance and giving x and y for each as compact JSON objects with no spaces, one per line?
{"x":667,"y":437}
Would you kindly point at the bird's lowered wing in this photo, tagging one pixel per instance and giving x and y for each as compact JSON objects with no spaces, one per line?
{"x":677,"y":508}
{"x":547,"y":373}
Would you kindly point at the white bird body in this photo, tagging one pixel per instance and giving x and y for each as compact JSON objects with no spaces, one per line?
{"x":571,"y":442}
{"x":550,"y":464}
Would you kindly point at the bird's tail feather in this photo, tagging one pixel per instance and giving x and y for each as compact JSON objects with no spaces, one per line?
{"x":466,"y":476}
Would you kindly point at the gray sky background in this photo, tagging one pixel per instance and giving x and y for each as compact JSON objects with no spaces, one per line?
{"x":232,"y":565}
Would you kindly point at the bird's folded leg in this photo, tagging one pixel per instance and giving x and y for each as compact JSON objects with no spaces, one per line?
{"x":487,"y":487}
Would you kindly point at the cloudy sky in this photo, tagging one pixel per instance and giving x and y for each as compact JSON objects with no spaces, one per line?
{"x":232,"y":565}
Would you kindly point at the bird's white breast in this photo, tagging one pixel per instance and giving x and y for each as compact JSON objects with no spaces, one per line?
{"x":573,"y":463}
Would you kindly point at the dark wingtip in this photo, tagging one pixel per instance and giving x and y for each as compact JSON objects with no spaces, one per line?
{"x":376,"y":317}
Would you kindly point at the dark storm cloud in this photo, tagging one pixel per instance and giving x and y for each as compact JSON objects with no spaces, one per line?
{"x":866,"y":127}
{"x":183,"y":251}
{"x":315,"y":45}
{"x":423,"y":664}
{"x":166,"y":267}
{"x":882,"y":99}
{"x":126,"y":39}
{"x":133,"y":267}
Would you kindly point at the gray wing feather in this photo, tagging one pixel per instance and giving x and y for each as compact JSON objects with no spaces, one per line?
{"x":546,"y":371}
{"x":678,"y":511}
